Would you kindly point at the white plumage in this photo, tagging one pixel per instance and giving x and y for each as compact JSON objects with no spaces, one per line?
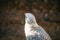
{"x":32,"y":30}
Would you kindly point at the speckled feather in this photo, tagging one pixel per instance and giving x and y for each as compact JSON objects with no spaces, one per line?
{"x":33,"y":31}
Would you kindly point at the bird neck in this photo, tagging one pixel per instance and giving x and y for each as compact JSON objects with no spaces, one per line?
{"x":31,"y":23}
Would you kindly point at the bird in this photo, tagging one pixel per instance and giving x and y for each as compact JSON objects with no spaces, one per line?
{"x":33,"y":31}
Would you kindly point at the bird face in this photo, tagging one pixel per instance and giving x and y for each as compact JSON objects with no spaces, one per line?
{"x":29,"y":18}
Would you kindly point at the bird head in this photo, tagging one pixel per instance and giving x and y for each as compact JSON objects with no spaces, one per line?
{"x":30,"y":18}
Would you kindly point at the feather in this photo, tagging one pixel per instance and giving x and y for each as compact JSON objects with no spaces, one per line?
{"x":32,"y":30}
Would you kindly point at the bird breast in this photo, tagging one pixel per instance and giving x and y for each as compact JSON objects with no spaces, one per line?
{"x":28,"y":29}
